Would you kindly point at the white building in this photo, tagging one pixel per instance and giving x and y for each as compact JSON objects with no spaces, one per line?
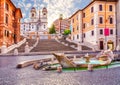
{"x":37,"y":23}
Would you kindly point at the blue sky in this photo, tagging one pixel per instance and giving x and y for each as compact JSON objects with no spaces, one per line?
{"x":55,"y":7}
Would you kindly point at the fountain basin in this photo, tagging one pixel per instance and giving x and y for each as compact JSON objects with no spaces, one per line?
{"x":83,"y":62}
{"x":94,"y":63}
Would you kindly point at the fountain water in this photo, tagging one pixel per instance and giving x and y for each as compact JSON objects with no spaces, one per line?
{"x":103,"y":58}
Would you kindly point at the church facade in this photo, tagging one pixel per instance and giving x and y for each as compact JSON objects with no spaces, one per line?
{"x":37,"y":23}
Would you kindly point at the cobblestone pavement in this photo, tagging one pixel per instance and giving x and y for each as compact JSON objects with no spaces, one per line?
{"x":9,"y":75}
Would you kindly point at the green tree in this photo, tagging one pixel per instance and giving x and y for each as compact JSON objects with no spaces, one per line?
{"x":52,"y":29}
{"x":67,"y":32}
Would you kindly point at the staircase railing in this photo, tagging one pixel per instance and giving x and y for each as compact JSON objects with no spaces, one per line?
{"x":5,"y":49}
{"x":85,"y":43}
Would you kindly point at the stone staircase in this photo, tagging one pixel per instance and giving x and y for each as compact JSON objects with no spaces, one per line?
{"x":21,"y":49}
{"x":89,"y":45}
{"x":84,"y":47}
{"x":51,"y":45}
{"x":69,"y":43}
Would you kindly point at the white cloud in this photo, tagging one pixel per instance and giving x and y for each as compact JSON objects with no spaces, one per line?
{"x":23,"y":0}
{"x":26,"y":20}
{"x":46,"y":1}
{"x":42,"y":5}
{"x":35,"y":5}
{"x":57,"y":7}
{"x":20,"y":4}
{"x":54,"y":7}
{"x":24,"y":15}
{"x":28,"y":5}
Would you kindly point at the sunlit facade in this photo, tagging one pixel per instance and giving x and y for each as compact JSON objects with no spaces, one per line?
{"x":9,"y":23}
{"x":96,"y":17}
{"x":76,"y":26}
{"x":61,"y":25}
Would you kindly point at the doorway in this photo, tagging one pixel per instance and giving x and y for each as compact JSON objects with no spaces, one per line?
{"x":101,"y":45}
{"x":110,"y":45}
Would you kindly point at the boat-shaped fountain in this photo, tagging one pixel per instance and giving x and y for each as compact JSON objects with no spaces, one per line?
{"x":103,"y":58}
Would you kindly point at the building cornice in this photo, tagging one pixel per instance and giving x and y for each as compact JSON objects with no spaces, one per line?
{"x":75,"y":13}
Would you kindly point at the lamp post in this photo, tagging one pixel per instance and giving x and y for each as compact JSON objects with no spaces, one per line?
{"x":106,"y":30}
{"x":60,"y":19}
{"x":106,"y":33}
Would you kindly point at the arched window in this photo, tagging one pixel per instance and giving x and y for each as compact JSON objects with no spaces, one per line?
{"x":111,"y":20}
{"x":101,"y":20}
{"x":101,"y":31}
{"x":100,"y":7}
{"x":92,"y":21}
{"x":44,"y":26}
{"x":110,"y":8}
{"x":44,"y":13}
{"x":6,"y":19}
{"x":32,"y":15}
{"x":7,"y":6}
{"x":92,"y":9}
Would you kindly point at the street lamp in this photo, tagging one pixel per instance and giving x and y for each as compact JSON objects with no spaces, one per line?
{"x":106,"y":30}
{"x":60,"y":19}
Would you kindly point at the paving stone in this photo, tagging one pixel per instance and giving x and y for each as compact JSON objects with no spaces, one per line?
{"x":9,"y":75}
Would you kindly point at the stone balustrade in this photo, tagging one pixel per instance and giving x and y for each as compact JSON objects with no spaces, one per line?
{"x":5,"y":49}
{"x":28,"y":63}
{"x":36,"y":43}
{"x":30,"y":45}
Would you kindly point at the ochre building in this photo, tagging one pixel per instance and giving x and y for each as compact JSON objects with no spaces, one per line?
{"x":95,"y":25}
{"x":9,"y":23}
{"x":61,"y":25}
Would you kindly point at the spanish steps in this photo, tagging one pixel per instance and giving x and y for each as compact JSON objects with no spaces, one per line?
{"x":51,"y":45}
{"x":63,"y":39}
{"x":21,"y":49}
{"x":45,"y":45}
